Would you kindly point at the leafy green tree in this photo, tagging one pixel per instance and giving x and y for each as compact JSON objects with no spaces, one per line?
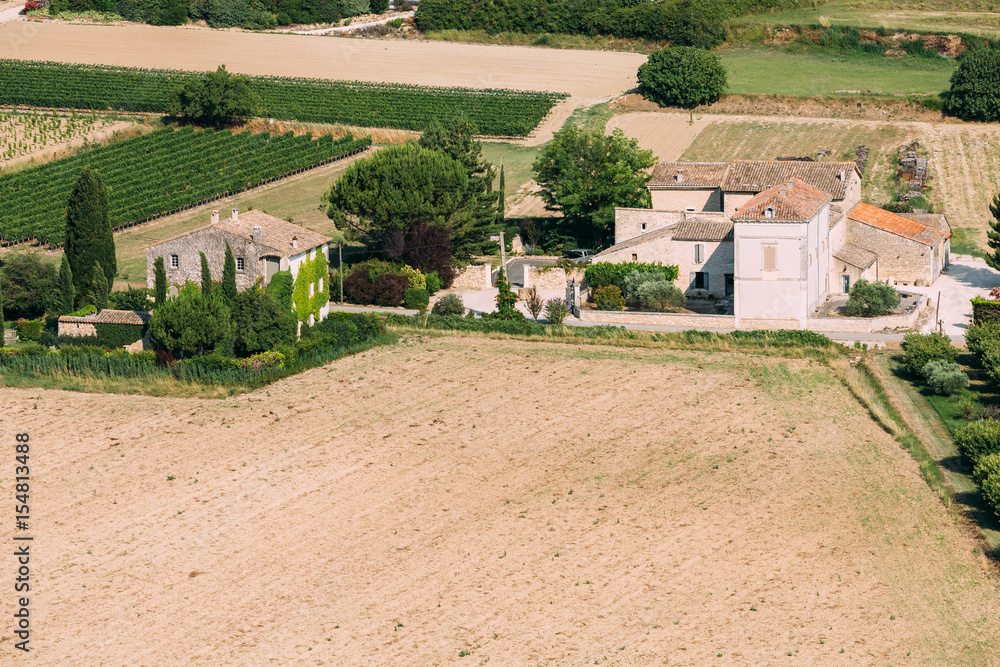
{"x":585,"y":175}
{"x":871,"y":299}
{"x":159,"y":282}
{"x":975,"y":86}
{"x":29,"y":283}
{"x":191,"y":323}
{"x":280,"y":290}
{"x":99,"y":290}
{"x":229,"y":277}
{"x":217,"y":99}
{"x":919,"y":349}
{"x":406,"y":185}
{"x":130,"y":299}
{"x":993,"y":235}
{"x":89,"y":237}
{"x":259,"y":323}
{"x":206,"y":275}
{"x":682,"y":76}
{"x":67,"y":293}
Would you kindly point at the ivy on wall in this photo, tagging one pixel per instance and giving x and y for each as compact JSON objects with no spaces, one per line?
{"x":311,"y":272}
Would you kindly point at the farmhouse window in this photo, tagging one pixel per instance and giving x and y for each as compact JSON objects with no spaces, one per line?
{"x":699,"y":253}
{"x":312,"y":289}
{"x":635,"y":257}
{"x":770,"y":262}
{"x":239,"y":264}
{"x":700,"y":280}
{"x":174,"y":261}
{"x":644,"y":226}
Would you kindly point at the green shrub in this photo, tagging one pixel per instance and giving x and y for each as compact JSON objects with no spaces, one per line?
{"x":449,"y":304}
{"x":991,"y":492}
{"x":945,"y":377}
{"x":88,"y":309}
{"x":918,"y":349}
{"x":871,"y":299}
{"x":130,"y":299}
{"x":556,"y":311}
{"x":977,"y":439}
{"x":262,"y":361}
{"x":433,"y":281}
{"x":979,"y":338}
{"x":416,"y":299}
{"x":660,"y":296}
{"x":600,"y":274}
{"x":633,"y":281}
{"x":985,"y":311}
{"x":30,"y":330}
{"x":986,"y":467}
{"x":609,"y":297}
{"x":118,"y":335}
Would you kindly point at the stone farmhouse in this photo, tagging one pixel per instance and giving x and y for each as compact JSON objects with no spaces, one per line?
{"x":261,"y":244}
{"x":779,"y":238}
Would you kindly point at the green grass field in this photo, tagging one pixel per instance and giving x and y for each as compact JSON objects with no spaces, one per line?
{"x":949,"y":16}
{"x":774,"y":72}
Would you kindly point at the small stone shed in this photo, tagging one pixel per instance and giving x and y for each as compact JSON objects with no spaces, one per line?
{"x":88,"y":325}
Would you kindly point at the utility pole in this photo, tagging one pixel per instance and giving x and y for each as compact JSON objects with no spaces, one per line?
{"x":340,"y":263}
{"x":503,"y":253}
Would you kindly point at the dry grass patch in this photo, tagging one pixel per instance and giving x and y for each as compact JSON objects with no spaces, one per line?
{"x":525,"y":502}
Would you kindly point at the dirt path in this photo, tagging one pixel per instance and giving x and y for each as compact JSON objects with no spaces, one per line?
{"x":380,"y":507}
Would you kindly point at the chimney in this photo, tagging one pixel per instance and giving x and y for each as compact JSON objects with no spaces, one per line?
{"x":255,"y":234}
{"x":215,"y":217}
{"x":680,"y":176}
{"x":295,"y":241}
{"x":236,"y":212}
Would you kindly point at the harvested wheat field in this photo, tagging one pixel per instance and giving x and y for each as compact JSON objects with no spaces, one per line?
{"x":666,"y":134}
{"x":455,"y":499}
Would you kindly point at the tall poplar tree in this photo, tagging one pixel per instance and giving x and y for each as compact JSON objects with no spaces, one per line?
{"x":159,"y":282}
{"x":993,"y":235}
{"x":206,"y":276}
{"x":89,"y":237}
{"x":67,"y":293}
{"x":229,"y":277}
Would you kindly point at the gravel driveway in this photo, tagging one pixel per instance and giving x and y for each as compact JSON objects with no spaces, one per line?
{"x":967,"y":278}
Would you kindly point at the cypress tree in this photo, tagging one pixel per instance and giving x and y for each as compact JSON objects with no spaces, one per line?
{"x":206,"y":276}
{"x":100,"y":287}
{"x":67,"y":293}
{"x":229,"y":277}
{"x":993,"y":235}
{"x":89,"y":237}
{"x":159,"y":282}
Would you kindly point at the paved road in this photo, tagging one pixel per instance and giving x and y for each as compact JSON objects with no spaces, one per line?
{"x":967,"y":277}
{"x":516,"y":267}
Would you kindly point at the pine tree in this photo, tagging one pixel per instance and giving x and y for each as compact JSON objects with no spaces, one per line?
{"x":67,"y":293}
{"x":206,"y":276}
{"x":229,"y":277}
{"x":89,"y":237}
{"x":159,"y":282}
{"x":993,"y":235}
{"x":100,"y":287}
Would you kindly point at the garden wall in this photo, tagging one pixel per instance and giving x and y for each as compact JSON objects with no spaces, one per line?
{"x":474,"y":277}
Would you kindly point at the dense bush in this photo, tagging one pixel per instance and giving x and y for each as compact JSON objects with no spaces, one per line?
{"x":433,"y":281}
{"x":871,"y":299}
{"x":945,"y":377}
{"x":600,"y":274}
{"x":417,"y":299}
{"x":191,"y":322}
{"x":390,"y":289}
{"x":918,"y":349}
{"x":118,"y":335}
{"x":259,"y":324}
{"x":29,"y":283}
{"x":986,"y":467}
{"x":985,"y":310}
{"x":977,"y":439}
{"x":359,"y":288}
{"x":609,"y":297}
{"x":30,"y":330}
{"x":556,"y":311}
{"x":130,"y":299}
{"x":683,"y":77}
{"x":280,"y":289}
{"x":449,"y":304}
{"x":975,"y":87}
{"x":991,"y":492}
{"x":660,"y":296}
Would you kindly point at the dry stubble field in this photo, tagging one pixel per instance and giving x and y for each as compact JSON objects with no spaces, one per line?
{"x":457,"y":499}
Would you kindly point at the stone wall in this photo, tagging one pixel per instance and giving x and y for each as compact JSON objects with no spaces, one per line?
{"x":77,"y":329}
{"x":685,"y":320}
{"x":629,"y":222}
{"x":899,"y":258}
{"x":544,"y":277}
{"x":212,"y":242}
{"x":474,"y":277}
{"x":681,"y":200}
{"x":868,"y":324}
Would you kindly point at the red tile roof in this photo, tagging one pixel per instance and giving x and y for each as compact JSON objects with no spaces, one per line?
{"x":791,"y":201}
{"x":110,"y":316}
{"x":680,"y":175}
{"x":897,"y":224}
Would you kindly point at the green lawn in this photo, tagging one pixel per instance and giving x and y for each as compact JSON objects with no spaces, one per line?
{"x":517,"y":161}
{"x":773,"y":72}
{"x":948,"y":16}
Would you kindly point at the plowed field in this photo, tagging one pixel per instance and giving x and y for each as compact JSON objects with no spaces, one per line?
{"x":452,"y":500}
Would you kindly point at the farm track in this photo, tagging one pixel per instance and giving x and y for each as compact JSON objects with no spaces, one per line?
{"x":354,"y":510}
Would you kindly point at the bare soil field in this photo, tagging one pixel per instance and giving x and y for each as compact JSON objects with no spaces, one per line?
{"x":454,"y":500}
{"x":666,"y":134}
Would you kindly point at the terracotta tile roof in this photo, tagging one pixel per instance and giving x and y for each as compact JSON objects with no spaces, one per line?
{"x":704,"y":229}
{"x":935,"y":220}
{"x":897,"y":224}
{"x":690,"y":175}
{"x":662,"y":232}
{"x":791,"y":201}
{"x":758,"y":175}
{"x":109,"y":316}
{"x":855,"y":256}
{"x":275,"y":232}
